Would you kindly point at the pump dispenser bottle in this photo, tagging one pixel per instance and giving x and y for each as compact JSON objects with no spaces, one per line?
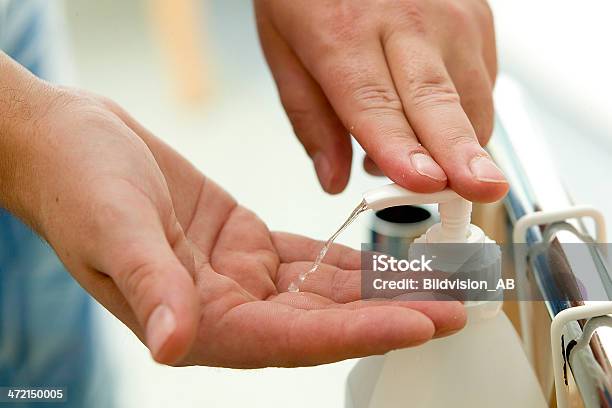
{"x":483,"y":365}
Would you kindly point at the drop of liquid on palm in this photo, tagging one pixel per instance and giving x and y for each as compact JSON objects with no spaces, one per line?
{"x":295,"y":286}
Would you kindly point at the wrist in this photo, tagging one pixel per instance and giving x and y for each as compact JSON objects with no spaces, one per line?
{"x":21,"y":108}
{"x":18,"y":102}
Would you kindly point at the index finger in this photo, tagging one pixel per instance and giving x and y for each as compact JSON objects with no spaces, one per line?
{"x":434,"y":109}
{"x":360,"y":88}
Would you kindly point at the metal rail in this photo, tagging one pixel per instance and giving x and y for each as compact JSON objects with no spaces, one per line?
{"x":535,"y":186}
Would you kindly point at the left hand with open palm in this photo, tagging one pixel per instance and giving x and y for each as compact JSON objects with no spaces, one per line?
{"x":200,"y":279}
{"x":241,"y":271}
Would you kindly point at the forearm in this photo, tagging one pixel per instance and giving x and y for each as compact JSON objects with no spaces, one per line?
{"x":21,"y":100}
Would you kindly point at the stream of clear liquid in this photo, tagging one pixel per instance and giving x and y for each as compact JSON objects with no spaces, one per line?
{"x":295,"y":286}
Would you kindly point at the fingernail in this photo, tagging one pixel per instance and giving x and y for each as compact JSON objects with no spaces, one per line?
{"x":426,"y":166}
{"x":160,"y":326}
{"x":323,"y":168}
{"x":486,"y":171}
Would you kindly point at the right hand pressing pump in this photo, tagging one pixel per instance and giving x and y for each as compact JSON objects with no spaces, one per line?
{"x":411,"y":80}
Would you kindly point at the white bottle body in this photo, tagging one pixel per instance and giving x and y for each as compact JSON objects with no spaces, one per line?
{"x":483,"y":365}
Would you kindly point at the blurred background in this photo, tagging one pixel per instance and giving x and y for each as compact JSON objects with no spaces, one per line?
{"x":192,"y":72}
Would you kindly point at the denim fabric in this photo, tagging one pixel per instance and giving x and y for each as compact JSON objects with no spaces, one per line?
{"x":45,"y":316}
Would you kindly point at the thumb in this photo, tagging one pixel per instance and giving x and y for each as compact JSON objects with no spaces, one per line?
{"x":138,"y":256}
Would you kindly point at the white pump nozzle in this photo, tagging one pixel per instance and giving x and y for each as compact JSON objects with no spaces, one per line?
{"x":455,"y":211}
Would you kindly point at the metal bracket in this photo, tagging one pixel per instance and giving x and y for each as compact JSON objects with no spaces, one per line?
{"x":597,"y":315}
{"x":519,"y":236}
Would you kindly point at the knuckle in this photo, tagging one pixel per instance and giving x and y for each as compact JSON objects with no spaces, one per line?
{"x":98,"y":117}
{"x":80,"y":101}
{"x":387,"y":130}
{"x":386,"y":127}
{"x":411,"y":10}
{"x":341,"y":26}
{"x":458,"y":136}
{"x":483,"y":11}
{"x":137,"y":280}
{"x":377,"y":97}
{"x":84,"y":112}
{"x":63,"y":105}
{"x":408,"y":14}
{"x":343,"y":32}
{"x":433,"y":90}
{"x":110,"y":104}
{"x":458,"y":15}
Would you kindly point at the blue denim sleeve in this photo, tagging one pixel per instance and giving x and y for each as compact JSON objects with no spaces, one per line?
{"x":45,"y":320}
{"x":45,"y":316}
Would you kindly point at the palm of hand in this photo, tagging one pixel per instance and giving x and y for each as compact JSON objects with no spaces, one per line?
{"x":233,"y":310}
{"x":247,"y":317}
